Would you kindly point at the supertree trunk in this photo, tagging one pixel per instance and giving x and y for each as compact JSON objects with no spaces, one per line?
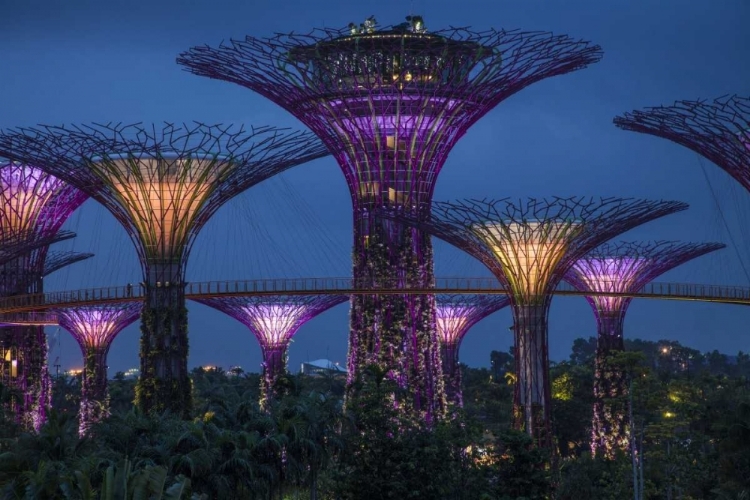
{"x":94,"y":393}
{"x":532,"y":390}
{"x":274,"y":367}
{"x":164,"y":384}
{"x":33,"y":376}
{"x":396,"y":332}
{"x":609,"y":427}
{"x":451,"y":373}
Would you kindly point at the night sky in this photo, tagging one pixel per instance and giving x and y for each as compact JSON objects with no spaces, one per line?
{"x":114,"y":61}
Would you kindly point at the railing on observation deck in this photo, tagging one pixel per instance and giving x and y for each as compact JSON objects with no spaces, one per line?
{"x":347,"y":286}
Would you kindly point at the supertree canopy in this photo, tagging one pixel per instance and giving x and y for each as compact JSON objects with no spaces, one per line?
{"x":35,"y":205}
{"x":162,"y":184}
{"x":718,"y":130}
{"x":274,"y":320}
{"x":94,"y":328}
{"x":620,"y":268}
{"x":529,"y":245}
{"x":455,"y":315}
{"x":390,"y":104}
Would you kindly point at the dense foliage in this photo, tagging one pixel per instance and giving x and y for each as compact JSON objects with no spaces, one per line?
{"x":691,"y":414}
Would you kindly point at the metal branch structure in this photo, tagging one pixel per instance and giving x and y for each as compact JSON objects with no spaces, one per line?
{"x":274,"y":320}
{"x":57,"y":260}
{"x":94,"y":328}
{"x":454,"y":316}
{"x":18,"y":245}
{"x":162,"y":183}
{"x":35,"y":205}
{"x":622,"y":267}
{"x":719,"y":130}
{"x":390,"y":104}
{"x":529,"y":246}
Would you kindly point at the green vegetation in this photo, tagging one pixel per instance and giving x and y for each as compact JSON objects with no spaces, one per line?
{"x":691,"y":420}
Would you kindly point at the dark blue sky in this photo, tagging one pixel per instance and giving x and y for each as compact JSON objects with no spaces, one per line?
{"x":83,"y":61}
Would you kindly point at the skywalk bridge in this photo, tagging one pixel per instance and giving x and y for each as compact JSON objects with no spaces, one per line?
{"x":10,"y":307}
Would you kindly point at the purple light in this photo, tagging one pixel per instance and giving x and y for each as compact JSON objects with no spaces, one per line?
{"x":455,"y":315}
{"x":620,"y":268}
{"x":34,"y":207}
{"x":274,"y":320}
{"x":611,"y":274}
{"x":390,"y":106}
{"x":34,"y":202}
{"x":452,"y":322}
{"x":94,"y":328}
{"x":275,"y":324}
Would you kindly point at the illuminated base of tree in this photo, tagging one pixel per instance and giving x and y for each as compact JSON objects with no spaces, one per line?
{"x":610,"y":429}
{"x":396,"y":333}
{"x":27,"y":378}
{"x":164,"y":384}
{"x":94,"y":393}
{"x":451,"y":374}
{"x":274,"y":368}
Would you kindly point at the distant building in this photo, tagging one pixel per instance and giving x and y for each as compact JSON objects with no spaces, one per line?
{"x":322,"y":367}
{"x":132,"y":373}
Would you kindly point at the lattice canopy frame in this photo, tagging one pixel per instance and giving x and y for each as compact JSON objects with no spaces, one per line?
{"x":94,"y":328}
{"x":390,"y":104}
{"x":719,"y":130}
{"x":162,"y":183}
{"x":274,"y":320}
{"x":529,"y":246}
{"x":620,"y":268}
{"x":455,"y":314}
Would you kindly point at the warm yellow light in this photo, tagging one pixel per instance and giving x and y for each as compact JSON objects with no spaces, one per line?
{"x":562,"y":388}
{"x":162,"y":195}
{"x":528,"y":252}
{"x":25,"y":193}
{"x":669,"y":414}
{"x":674,"y":397}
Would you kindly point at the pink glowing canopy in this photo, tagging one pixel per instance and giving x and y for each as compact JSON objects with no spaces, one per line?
{"x":456,"y":314}
{"x":26,"y":193}
{"x":97,"y":326}
{"x":621,"y":274}
{"x":274,"y":320}
{"x":626,"y":267}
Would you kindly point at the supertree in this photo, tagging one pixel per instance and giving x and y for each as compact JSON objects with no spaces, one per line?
{"x":274,"y":320}
{"x":162,"y":184}
{"x":390,"y":104}
{"x":94,"y":328}
{"x":529,"y":245}
{"x":718,"y":130}
{"x":35,"y":205}
{"x":455,"y":315}
{"x":620,"y":268}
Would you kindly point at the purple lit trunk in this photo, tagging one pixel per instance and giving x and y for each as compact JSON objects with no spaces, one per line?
{"x":164,"y":384}
{"x":27,"y":346}
{"x":532,"y":395}
{"x":396,"y":332}
{"x":610,"y":429}
{"x":94,"y":393}
{"x":451,"y":373}
{"x":274,"y":367}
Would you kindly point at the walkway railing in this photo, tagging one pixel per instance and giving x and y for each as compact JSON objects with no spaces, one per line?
{"x":348,"y":286}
